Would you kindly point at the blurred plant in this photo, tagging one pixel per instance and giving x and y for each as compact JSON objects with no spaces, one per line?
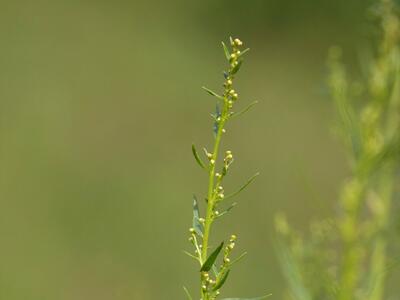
{"x":346,"y":258}
{"x":212,"y":275}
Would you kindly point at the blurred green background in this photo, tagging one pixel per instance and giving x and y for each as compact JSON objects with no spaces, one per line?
{"x":99,"y":104}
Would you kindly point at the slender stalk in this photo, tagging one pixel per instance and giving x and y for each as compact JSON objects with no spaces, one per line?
{"x":212,"y":275}
{"x":211,"y":194}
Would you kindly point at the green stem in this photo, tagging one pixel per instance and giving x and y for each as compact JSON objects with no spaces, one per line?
{"x":211,"y":195}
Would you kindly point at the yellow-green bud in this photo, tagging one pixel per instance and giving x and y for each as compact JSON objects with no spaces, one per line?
{"x":238,"y":42}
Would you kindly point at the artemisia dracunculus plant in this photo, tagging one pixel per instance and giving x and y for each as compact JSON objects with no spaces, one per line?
{"x":215,"y":263}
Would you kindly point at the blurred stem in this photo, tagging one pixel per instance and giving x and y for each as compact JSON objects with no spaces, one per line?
{"x":378,"y":257}
{"x":349,"y":223}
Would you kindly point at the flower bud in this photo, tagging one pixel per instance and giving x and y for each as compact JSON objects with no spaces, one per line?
{"x":238,"y":42}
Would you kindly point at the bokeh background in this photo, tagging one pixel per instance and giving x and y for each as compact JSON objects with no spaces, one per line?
{"x":99,"y":104}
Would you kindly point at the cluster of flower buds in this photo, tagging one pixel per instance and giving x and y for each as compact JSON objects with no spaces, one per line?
{"x":228,"y":249}
{"x":236,"y":43}
{"x":230,"y":94}
{"x":193,"y":240}
{"x":192,"y":236}
{"x":210,"y":157}
{"x":206,"y":281}
{"x":228,"y":158}
{"x":219,"y":191}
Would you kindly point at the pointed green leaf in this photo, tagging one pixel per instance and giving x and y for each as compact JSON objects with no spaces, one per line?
{"x":245,"y":109}
{"x":244,"y":51}
{"x":243,"y":187}
{"x":197,"y":226}
{"x":221,"y":282}
{"x":197,"y":157}
{"x":227,"y":210}
{"x":237,"y":67}
{"x":190,"y":255}
{"x":187,"y":293}
{"x":256,"y":298}
{"x":211,"y":259}
{"x":238,"y":259}
{"x":212,"y":93}
{"x":226,"y":51}
{"x":215,"y":270}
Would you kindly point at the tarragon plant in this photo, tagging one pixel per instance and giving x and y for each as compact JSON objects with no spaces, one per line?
{"x":213,"y":270}
{"x":346,"y":257}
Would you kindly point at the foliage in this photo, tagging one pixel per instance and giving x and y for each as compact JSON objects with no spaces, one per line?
{"x":346,"y":258}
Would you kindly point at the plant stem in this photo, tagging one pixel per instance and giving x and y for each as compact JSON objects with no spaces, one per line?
{"x":211,"y":195}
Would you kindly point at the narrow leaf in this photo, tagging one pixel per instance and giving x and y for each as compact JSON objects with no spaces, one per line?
{"x":211,"y":259}
{"x":221,"y":282}
{"x":243,"y":111}
{"x":243,"y":187}
{"x":238,"y":259}
{"x":190,"y":255}
{"x":244,"y":51}
{"x":256,"y":298}
{"x":212,"y":93}
{"x":197,"y":226}
{"x":227,"y":54}
{"x":215,"y":270}
{"x":227,"y":210}
{"x":236,"y":68}
{"x":187,"y":293}
{"x":197,"y":157}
